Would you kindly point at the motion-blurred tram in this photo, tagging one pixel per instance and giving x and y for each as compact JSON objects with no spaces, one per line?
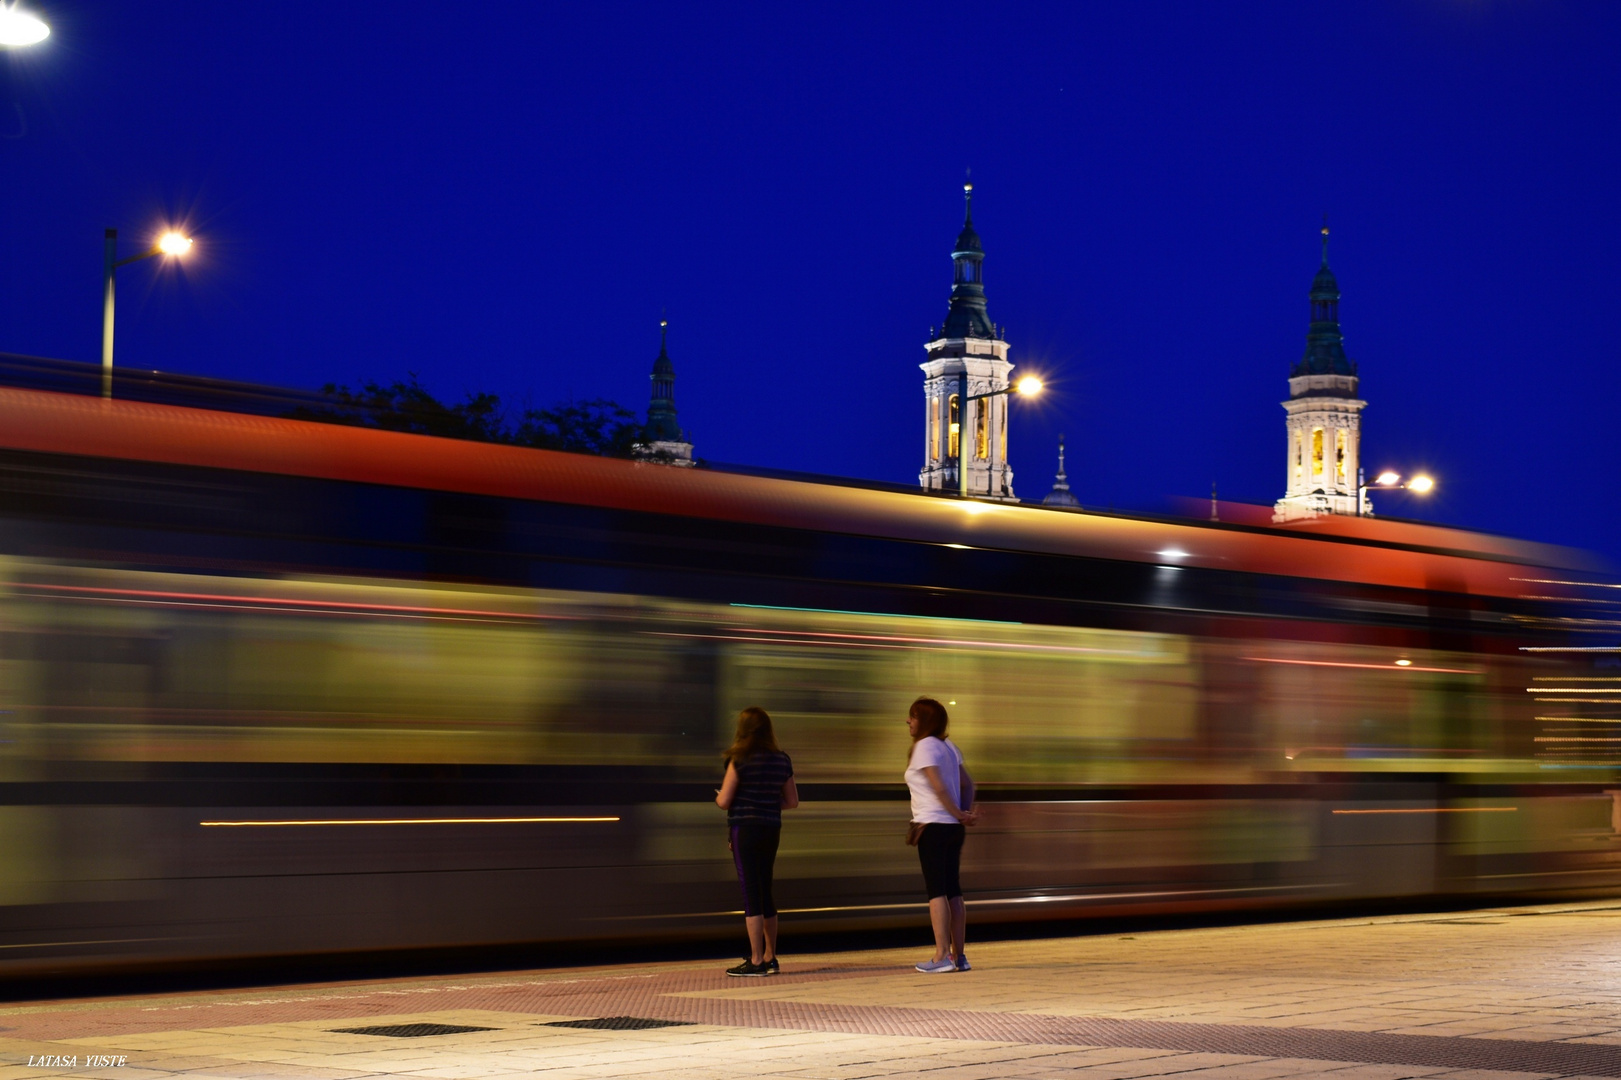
{"x":272,"y":687}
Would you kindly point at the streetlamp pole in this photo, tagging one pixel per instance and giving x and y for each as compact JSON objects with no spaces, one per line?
{"x":109,"y":264}
{"x":170,"y":243}
{"x":1391,"y":481}
{"x":962,"y":434}
{"x":1028,"y":385}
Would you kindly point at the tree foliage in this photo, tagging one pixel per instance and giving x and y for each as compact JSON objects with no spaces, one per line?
{"x":597,"y":426}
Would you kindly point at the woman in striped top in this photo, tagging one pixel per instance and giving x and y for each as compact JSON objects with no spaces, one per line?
{"x":759,"y":786}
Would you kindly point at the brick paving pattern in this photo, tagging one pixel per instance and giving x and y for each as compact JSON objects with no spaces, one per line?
{"x":1523,"y":992}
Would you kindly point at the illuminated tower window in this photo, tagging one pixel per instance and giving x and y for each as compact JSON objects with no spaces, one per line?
{"x":1300,"y":456}
{"x":956,"y":427}
{"x":1339,"y":455}
{"x":1316,"y":452}
{"x":982,"y":431}
{"x":934,"y":429}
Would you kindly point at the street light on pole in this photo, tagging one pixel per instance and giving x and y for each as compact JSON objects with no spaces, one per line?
{"x":1029,"y":386}
{"x":1391,"y":481}
{"x":171,"y":244}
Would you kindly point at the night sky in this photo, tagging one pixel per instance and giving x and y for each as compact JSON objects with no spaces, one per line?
{"x":504,"y":197}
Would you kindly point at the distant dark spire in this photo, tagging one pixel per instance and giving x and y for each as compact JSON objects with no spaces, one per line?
{"x":1325,"y":345}
{"x":1060,"y":494}
{"x":966,"y":316}
{"x":661,"y":421}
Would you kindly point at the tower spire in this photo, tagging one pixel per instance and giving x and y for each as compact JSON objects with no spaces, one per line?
{"x":1325,"y":344}
{"x":1060,"y":495}
{"x":966,"y":316}
{"x":665,"y":440}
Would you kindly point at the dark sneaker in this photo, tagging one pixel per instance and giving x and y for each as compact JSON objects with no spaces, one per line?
{"x":962,"y":963}
{"x":937,"y":967}
{"x":772,"y":968}
{"x":748,"y":969}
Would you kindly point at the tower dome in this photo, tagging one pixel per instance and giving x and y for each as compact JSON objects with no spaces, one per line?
{"x":966,"y":316}
{"x":1325,"y":345}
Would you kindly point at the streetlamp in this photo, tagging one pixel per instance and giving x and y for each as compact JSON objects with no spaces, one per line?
{"x":1029,"y":385}
{"x":1391,"y":481}
{"x":18,"y":28}
{"x":169,"y":244}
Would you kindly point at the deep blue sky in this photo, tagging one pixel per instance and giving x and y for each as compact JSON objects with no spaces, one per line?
{"x":503,"y":197}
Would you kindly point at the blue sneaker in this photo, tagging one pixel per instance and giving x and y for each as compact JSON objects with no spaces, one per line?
{"x":963,"y":964}
{"x":936,"y":967}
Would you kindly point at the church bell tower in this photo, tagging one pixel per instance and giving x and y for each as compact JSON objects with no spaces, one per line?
{"x":1324,"y":421}
{"x":667,"y":443}
{"x":968,"y":344}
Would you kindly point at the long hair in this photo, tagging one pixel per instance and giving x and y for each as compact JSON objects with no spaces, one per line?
{"x":754,"y":735}
{"x":931,"y":720}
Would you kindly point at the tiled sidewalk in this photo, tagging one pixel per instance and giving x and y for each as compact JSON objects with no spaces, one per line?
{"x":1518,"y":992}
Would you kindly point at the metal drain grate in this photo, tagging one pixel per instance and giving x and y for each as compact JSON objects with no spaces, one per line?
{"x":618,"y":1023}
{"x":410,"y":1031}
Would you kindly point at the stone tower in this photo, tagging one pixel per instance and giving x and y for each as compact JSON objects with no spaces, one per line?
{"x":666,"y":442}
{"x":969,"y":343}
{"x":1324,"y":419}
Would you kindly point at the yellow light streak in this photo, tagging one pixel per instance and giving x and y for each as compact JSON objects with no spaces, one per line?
{"x":1370,"y":667}
{"x":1570,"y":690}
{"x":1573,"y":700}
{"x":411,"y":821}
{"x":1439,"y":810}
{"x":1579,"y":720}
{"x":1571,"y":738}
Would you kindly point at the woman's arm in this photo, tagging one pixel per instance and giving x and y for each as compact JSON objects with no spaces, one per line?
{"x":728,"y":788}
{"x":790,"y":794}
{"x":932,"y":774}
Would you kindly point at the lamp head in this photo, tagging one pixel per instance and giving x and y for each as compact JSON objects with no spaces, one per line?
{"x":1029,"y":385}
{"x":1420,"y":484}
{"x":18,"y":28}
{"x":1385,"y":479}
{"x":172,"y":243}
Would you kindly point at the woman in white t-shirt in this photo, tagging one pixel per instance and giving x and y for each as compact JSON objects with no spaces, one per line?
{"x":942,"y":798}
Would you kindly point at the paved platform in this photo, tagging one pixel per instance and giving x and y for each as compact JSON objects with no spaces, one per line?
{"x":1511,"y":992}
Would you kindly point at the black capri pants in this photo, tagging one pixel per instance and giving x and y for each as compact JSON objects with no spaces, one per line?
{"x":939,"y":849}
{"x":754,"y":853}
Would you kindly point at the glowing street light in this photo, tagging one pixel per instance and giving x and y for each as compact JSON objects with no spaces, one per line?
{"x":18,"y":29}
{"x":1392,"y":481}
{"x":170,"y":244}
{"x":1029,"y":386}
